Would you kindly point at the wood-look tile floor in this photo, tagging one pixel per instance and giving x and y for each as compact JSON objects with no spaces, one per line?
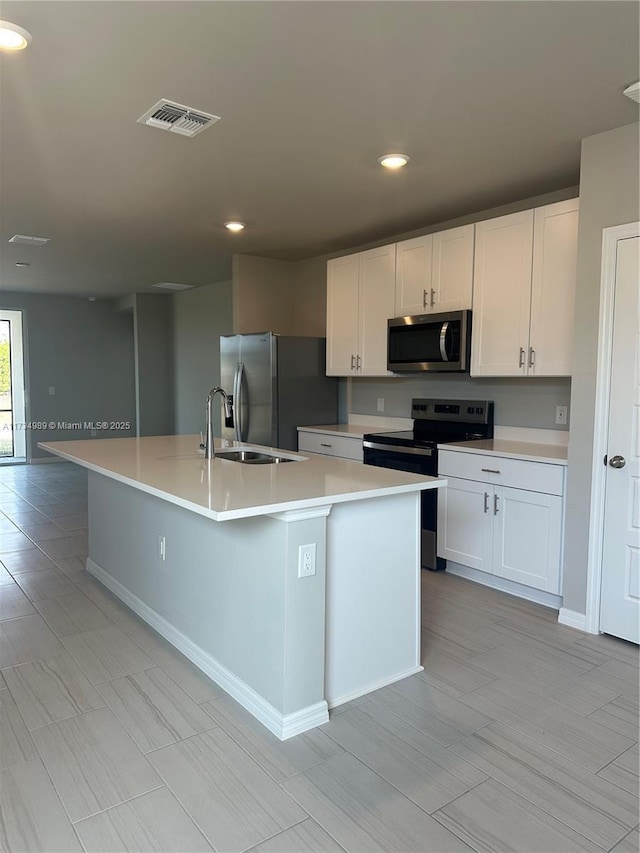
{"x":520,"y":734}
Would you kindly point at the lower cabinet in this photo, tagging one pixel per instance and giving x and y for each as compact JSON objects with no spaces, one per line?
{"x":327,"y":444}
{"x":510,"y":532}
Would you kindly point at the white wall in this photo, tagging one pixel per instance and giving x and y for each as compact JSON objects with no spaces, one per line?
{"x":200,"y":316}
{"x":609,"y":182}
{"x":85,"y":351}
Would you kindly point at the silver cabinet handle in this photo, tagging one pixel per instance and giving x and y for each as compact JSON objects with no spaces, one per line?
{"x":491,"y":470}
{"x":532,"y":356}
{"x":325,"y":445}
{"x":486,"y":502}
{"x":495,"y":504}
{"x":358,"y":362}
{"x":424,"y":298}
{"x":521,"y":359}
{"x":353,"y":362}
{"x":433,"y":297}
{"x":617,"y":462}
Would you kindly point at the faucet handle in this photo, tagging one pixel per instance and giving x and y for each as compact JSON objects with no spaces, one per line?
{"x":202,"y":444}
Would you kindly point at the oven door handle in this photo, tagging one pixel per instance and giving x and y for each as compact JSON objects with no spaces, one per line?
{"x":417,"y":451}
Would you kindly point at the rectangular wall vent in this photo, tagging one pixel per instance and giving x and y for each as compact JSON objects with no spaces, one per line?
{"x":171,"y":285}
{"x":25,"y":240}
{"x":177,"y":118}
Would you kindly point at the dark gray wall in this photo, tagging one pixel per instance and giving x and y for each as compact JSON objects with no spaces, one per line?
{"x":518,"y":402}
{"x":153,"y":317}
{"x":200,"y":316}
{"x":85,"y":350}
{"x":609,"y":183}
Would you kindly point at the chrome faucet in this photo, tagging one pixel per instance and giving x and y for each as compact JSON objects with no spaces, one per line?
{"x":227,"y":401}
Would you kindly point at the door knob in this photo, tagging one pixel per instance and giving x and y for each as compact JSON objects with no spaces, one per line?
{"x":617,"y":462}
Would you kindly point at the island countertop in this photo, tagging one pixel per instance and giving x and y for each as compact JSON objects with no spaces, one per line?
{"x":172,"y":468}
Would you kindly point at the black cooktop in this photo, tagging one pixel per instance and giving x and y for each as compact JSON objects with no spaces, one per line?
{"x":441,"y":422}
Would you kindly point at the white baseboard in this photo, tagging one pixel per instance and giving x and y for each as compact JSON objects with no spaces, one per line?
{"x":45,"y":460}
{"x":538,"y":596}
{"x":334,"y":703}
{"x":283,"y":726}
{"x":573,"y":619}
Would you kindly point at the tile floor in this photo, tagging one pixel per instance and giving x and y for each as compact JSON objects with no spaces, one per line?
{"x":520,"y":735}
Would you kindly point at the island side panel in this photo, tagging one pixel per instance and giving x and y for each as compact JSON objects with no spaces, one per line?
{"x":222,"y":585}
{"x":373,"y":595}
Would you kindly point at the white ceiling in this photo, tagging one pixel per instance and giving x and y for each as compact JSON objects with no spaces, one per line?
{"x":490,"y":99}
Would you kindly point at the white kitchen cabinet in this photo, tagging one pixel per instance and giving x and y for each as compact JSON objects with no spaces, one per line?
{"x":524,"y":292}
{"x":326,"y":444}
{"x":488,"y":522}
{"x":360,"y":300}
{"x":434,"y":273}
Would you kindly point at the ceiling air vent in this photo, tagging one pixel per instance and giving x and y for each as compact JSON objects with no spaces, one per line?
{"x":171,"y":285}
{"x":34,"y":242}
{"x":177,"y":118}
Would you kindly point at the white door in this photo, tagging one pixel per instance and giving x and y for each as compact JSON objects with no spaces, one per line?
{"x":376,"y":300}
{"x":502,"y":295}
{"x":465,"y":523}
{"x":414,"y":293}
{"x":342,"y":315}
{"x":452,"y":266}
{"x":527,"y":537}
{"x":553,"y":289}
{"x":620,"y":591}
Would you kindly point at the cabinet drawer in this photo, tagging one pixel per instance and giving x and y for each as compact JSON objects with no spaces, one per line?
{"x":331,"y":445}
{"x":519,"y":474}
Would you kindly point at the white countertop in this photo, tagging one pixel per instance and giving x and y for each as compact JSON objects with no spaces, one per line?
{"x":355,"y":430}
{"x":524,"y":450}
{"x":172,"y":468}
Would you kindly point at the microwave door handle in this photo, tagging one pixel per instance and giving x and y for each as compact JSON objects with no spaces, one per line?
{"x":443,"y":341}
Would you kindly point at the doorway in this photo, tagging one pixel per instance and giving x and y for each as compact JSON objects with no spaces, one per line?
{"x":613,"y":585}
{"x":12,"y":389}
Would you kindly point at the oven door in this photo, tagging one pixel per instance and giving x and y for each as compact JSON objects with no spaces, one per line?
{"x":429,"y":342}
{"x":415,"y":460}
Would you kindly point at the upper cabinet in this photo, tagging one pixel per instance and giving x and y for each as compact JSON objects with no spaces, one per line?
{"x":360,"y":300}
{"x":434,"y":273}
{"x":524,"y":292}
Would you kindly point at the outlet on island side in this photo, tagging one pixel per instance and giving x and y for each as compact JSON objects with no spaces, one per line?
{"x":380,"y":406}
{"x":561,"y":415}
{"x":307,"y":560}
{"x":161,"y":549}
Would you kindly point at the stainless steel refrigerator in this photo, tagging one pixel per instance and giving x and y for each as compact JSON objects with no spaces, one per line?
{"x":278,"y":383}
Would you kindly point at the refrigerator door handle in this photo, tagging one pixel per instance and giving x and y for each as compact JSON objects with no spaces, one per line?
{"x":237,"y":400}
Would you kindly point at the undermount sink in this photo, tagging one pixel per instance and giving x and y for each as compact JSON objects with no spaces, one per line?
{"x":251,"y":457}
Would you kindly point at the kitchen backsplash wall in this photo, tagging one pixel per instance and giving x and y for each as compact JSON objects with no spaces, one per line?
{"x":518,"y":402}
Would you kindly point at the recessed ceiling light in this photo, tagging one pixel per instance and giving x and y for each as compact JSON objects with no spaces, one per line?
{"x":633,"y":92}
{"x":235,"y":226}
{"x":13,"y":37}
{"x":394,"y":161}
{"x":22,"y":264}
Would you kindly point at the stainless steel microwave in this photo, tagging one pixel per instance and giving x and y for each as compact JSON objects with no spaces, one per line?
{"x":439,"y":343}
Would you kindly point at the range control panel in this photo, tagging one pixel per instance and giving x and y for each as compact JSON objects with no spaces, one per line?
{"x":464,"y":411}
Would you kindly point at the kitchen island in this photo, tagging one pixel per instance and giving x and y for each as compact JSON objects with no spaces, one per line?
{"x":294,"y":586}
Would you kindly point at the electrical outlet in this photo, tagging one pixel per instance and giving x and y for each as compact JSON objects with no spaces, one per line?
{"x":561,"y":414}
{"x":307,"y":560}
{"x":93,"y":433}
{"x":162,"y":547}
{"x":52,"y":390}
{"x":381,"y":404}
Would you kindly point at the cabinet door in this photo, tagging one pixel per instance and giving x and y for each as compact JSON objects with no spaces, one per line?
{"x":376,"y":301}
{"x":452,"y":268}
{"x":553,"y":290}
{"x":414,"y":293}
{"x":465,"y":523}
{"x":527,"y":537}
{"x":501,"y":295}
{"x":342,"y":315}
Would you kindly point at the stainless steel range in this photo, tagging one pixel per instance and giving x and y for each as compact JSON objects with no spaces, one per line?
{"x":434,"y":422}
